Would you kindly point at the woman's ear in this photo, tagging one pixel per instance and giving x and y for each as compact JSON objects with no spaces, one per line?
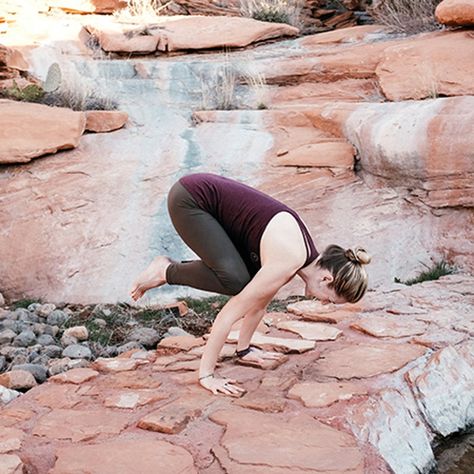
{"x":327,"y":277}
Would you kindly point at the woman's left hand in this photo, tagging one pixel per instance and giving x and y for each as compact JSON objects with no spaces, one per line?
{"x":258,"y":356}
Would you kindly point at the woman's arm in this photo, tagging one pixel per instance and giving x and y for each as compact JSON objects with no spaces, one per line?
{"x":253,"y":298}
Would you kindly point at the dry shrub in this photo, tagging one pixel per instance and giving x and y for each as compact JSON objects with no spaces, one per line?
{"x":141,"y":10}
{"x":276,"y":11}
{"x":406,"y":16}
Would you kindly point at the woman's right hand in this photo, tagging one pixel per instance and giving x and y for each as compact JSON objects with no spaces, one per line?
{"x":222,"y":385}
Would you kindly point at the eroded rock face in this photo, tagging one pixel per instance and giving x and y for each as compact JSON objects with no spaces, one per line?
{"x":43,"y":130}
{"x":455,"y":13}
{"x":88,"y":6}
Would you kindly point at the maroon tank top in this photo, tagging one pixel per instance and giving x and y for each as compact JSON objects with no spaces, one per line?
{"x":243,"y":212}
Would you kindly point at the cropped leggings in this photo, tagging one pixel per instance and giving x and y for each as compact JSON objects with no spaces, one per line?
{"x":220,"y":268}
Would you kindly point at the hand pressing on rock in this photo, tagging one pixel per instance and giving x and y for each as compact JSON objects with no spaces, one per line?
{"x":218,"y":385}
{"x":253,"y":354}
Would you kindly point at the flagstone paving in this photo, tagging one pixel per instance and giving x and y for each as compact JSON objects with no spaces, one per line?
{"x":399,"y":372}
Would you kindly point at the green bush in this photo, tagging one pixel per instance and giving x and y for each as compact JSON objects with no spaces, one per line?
{"x":438,"y":270}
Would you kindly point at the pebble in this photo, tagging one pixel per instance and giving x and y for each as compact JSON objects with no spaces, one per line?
{"x":79,"y":332}
{"x":2,"y":300}
{"x":7,"y":336}
{"x":38,"y":328}
{"x":17,"y":380}
{"x":38,"y":371}
{"x":176,"y":331}
{"x":45,"y":310}
{"x":76,"y":351}
{"x":68,"y":340}
{"x":148,"y":337}
{"x":57,"y":318}
{"x":34,"y":307}
{"x":51,"y":330}
{"x":102,"y":323}
{"x":21,"y":314}
{"x":45,"y":340}
{"x":128,"y":347}
{"x":58,"y":366}
{"x":52,"y":351}
{"x":25,"y":338}
{"x":10,"y":324}
{"x":111,"y":351}
{"x":42,"y":359}
{"x":3,"y":363}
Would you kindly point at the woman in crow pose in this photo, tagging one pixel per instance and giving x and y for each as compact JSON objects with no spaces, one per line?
{"x":249,"y":246}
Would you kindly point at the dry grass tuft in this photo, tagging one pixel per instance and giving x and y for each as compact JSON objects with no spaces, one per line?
{"x":406,"y":16}
{"x":275,"y":11}
{"x":141,"y":11}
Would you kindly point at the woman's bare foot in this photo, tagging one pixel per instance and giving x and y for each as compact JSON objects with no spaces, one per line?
{"x":152,"y":277}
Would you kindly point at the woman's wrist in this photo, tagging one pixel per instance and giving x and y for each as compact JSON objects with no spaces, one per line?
{"x":206,"y":376}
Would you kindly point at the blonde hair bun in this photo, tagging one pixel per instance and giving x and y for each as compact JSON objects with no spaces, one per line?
{"x":358,"y":255}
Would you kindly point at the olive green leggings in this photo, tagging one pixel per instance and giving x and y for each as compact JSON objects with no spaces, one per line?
{"x":221,"y":268}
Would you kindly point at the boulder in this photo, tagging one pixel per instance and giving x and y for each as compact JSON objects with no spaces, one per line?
{"x":88,"y":6}
{"x":43,"y":130}
{"x":440,"y":64}
{"x":455,"y":12}
{"x":105,"y":120}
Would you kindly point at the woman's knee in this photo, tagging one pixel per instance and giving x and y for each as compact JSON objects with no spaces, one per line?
{"x":234,"y":280}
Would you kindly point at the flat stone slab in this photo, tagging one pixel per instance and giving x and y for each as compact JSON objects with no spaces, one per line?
{"x":75,"y":376}
{"x":116,"y":365}
{"x":296,"y":443}
{"x":133,"y":398}
{"x":379,"y":326}
{"x":263,"y":399}
{"x":275,"y":343}
{"x":80,"y":425}
{"x":11,"y":464}
{"x":311,"y":331}
{"x":265,"y":364}
{"x":319,"y":394}
{"x":315,"y":311}
{"x":183,"y":343}
{"x":56,"y":395}
{"x":365,"y":360}
{"x":43,"y":130}
{"x":144,"y":456}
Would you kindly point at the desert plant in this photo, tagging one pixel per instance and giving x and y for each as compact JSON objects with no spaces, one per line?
{"x":218,"y":92}
{"x":435,"y":272}
{"x":29,"y":93}
{"x":406,"y":16}
{"x":276,"y":11}
{"x":141,"y":10}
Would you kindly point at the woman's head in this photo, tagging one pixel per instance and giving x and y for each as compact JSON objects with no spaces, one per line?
{"x":339,"y":275}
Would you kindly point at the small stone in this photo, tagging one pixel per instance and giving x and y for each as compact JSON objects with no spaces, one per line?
{"x":3,"y":363}
{"x":79,"y":332}
{"x":76,"y":351}
{"x":112,"y":351}
{"x":276,"y":343}
{"x":28,"y":317}
{"x":75,"y":376}
{"x":102,"y":323}
{"x":176,"y":331}
{"x":184,"y":343}
{"x":311,"y":331}
{"x":129,"y":346}
{"x":180,"y":308}
{"x":52,"y":351}
{"x":57,"y":318}
{"x":34,"y":307}
{"x":24,"y":339}
{"x":11,"y":464}
{"x":58,"y":366}
{"x":21,"y":314}
{"x":38,"y":371}
{"x":17,"y":380}
{"x":10,"y":324}
{"x":7,"y":395}
{"x":51,"y":330}
{"x":7,"y":336}
{"x":45,"y":340}
{"x":20,"y":358}
{"x":38,"y":328}
{"x":148,"y":337}
{"x":2,"y":300}
{"x":40,"y":360}
{"x":116,"y":365}
{"x":67,"y":340}
{"x":45,"y":310}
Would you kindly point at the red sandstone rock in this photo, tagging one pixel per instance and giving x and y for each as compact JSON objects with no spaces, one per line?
{"x":115,"y":365}
{"x":455,"y":12}
{"x":364,"y":360}
{"x":18,"y":380}
{"x":435,"y":339}
{"x":319,"y":394}
{"x":315,"y":311}
{"x":180,"y":308}
{"x":444,"y":391}
{"x":380,"y":326}
{"x":132,"y":399}
{"x":311,"y":331}
{"x":80,"y":425}
{"x":43,"y":130}
{"x":111,"y":457}
{"x":56,"y":396}
{"x":15,"y":416}
{"x":11,"y":464}
{"x":184,"y":343}
{"x":334,"y":154}
{"x":180,"y":365}
{"x":217,"y":32}
{"x":262,"y":399}
{"x":76,"y":376}
{"x":105,"y":120}
{"x":265,"y":364}
{"x":173,"y":417}
{"x":278,"y":344}
{"x":343,"y":35}
{"x":296,"y":443}
{"x":79,"y":332}
{"x":130,"y":380}
{"x":10,"y":440}
{"x":88,"y":6}
{"x":432,"y":66}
